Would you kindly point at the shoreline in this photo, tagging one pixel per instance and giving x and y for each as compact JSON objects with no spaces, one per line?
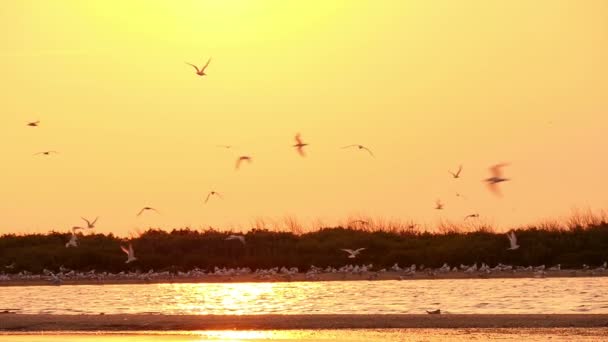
{"x":299,"y":277}
{"x":36,"y":323}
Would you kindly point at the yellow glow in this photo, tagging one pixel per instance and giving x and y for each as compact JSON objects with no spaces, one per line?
{"x":427,"y":85}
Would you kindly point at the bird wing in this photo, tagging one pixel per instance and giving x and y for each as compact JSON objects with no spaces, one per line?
{"x":124,"y":249}
{"x":87,"y":221}
{"x":94,"y":221}
{"x":194,"y":66}
{"x":141,"y":211}
{"x":459,"y":171}
{"x":301,"y":151}
{"x":368,"y":150}
{"x":206,"y":64}
{"x":131,"y":252}
{"x":207,"y":199}
{"x":496,"y":170}
{"x":494,"y":188}
{"x":298,"y":139}
{"x":359,"y":250}
{"x":350,"y":146}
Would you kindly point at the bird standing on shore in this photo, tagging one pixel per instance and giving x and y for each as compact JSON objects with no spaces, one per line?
{"x":201,"y":71}
{"x":300,"y":145}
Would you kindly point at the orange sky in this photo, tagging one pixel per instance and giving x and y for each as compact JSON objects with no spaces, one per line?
{"x":427,"y":85}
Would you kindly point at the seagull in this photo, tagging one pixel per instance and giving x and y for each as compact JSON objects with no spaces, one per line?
{"x":90,"y":224}
{"x":236,"y":237}
{"x":241,"y":159}
{"x":471,"y":216}
{"x":46,"y":153}
{"x":73,"y":241}
{"x":353,"y":254}
{"x":438,"y":205}
{"x":513,"y":241}
{"x":496,"y":178}
{"x":434,"y":312}
{"x":146,"y":208}
{"x":33,"y":123}
{"x":361,"y":147}
{"x":211,"y":194}
{"x":300,"y":145}
{"x":457,"y":174}
{"x":10,"y":267}
{"x":200,"y":72}
{"x":130,"y":253}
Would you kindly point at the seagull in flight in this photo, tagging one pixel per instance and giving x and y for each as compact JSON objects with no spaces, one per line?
{"x":300,"y":145}
{"x":361,"y":147}
{"x":241,"y":159}
{"x":438,"y":205}
{"x":33,"y":123}
{"x":201,"y":71}
{"x":496,"y":178}
{"x":512,"y":241}
{"x":434,"y":312}
{"x":90,"y":224}
{"x":457,"y":173}
{"x":46,"y":153}
{"x":471,"y":216}
{"x":236,"y":237}
{"x":130,"y":253}
{"x":146,"y":208}
{"x":211,"y":193}
{"x":73,"y":241}
{"x":353,"y":253}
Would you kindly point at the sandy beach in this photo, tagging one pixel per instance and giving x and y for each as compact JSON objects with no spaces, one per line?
{"x":17,"y":322}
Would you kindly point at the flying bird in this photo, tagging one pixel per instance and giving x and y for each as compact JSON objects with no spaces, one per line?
{"x":300,"y":145}
{"x":33,"y":123}
{"x":90,"y":224}
{"x":512,"y":241}
{"x":353,"y":253}
{"x":457,"y":173}
{"x":241,"y":159}
{"x":471,"y":216}
{"x":225,"y":146}
{"x":146,"y":208}
{"x":130,"y":253}
{"x":438,"y":205}
{"x":236,"y":237}
{"x":73,"y":241}
{"x":211,"y":194}
{"x":434,"y":312}
{"x":496,"y":178}
{"x":46,"y":153}
{"x":361,"y":147}
{"x":201,"y":71}
{"x":362,"y":222}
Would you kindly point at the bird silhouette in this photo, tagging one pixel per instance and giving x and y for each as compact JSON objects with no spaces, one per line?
{"x":496,"y":178}
{"x":300,"y":145}
{"x":90,"y":224}
{"x":512,"y":241}
{"x":353,"y":253}
{"x":212,"y":193}
{"x":242,"y":159}
{"x":241,"y":238}
{"x":457,"y":173}
{"x":360,"y":147}
{"x":147,"y":208}
{"x":201,"y":71}
{"x":33,"y":123}
{"x":438,"y":205}
{"x":46,"y":153}
{"x":471,"y":216}
{"x":130,"y":253}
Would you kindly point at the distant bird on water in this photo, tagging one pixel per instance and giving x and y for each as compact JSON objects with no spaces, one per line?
{"x":242,"y":159}
{"x":438,"y":205}
{"x":512,"y":241}
{"x":457,"y":173}
{"x":496,"y":178}
{"x":212,"y":193}
{"x":471,"y":216}
{"x":241,"y":238}
{"x":145,"y":209}
{"x":33,"y":123}
{"x":90,"y":224}
{"x":300,"y":145}
{"x":361,"y":147}
{"x":46,"y":153}
{"x":201,"y":71}
{"x":130,"y":253}
{"x":353,"y":253}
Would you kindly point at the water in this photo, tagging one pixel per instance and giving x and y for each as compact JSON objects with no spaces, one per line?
{"x":463,"y":296}
{"x":428,"y":335}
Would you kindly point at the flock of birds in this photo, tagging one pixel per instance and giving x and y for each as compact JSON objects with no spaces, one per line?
{"x":492,"y":182}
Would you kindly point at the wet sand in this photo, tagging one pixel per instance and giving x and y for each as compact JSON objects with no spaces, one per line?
{"x":31,"y":323}
{"x":246,"y":278}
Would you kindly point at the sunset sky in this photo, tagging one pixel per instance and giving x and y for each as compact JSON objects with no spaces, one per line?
{"x":427,"y":85}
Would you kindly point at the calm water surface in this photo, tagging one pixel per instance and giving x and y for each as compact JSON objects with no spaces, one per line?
{"x":429,"y":335}
{"x":483,"y":296}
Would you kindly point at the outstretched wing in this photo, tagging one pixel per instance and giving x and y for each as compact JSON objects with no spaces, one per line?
{"x":494,"y":188}
{"x":298,"y":139}
{"x":141,"y":211}
{"x":349,"y":146}
{"x":206,"y":64}
{"x":124,"y":249}
{"x":368,"y":150}
{"x":496,"y":170}
{"x":359,"y":250}
{"x":194,"y":66}
{"x":207,"y":199}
